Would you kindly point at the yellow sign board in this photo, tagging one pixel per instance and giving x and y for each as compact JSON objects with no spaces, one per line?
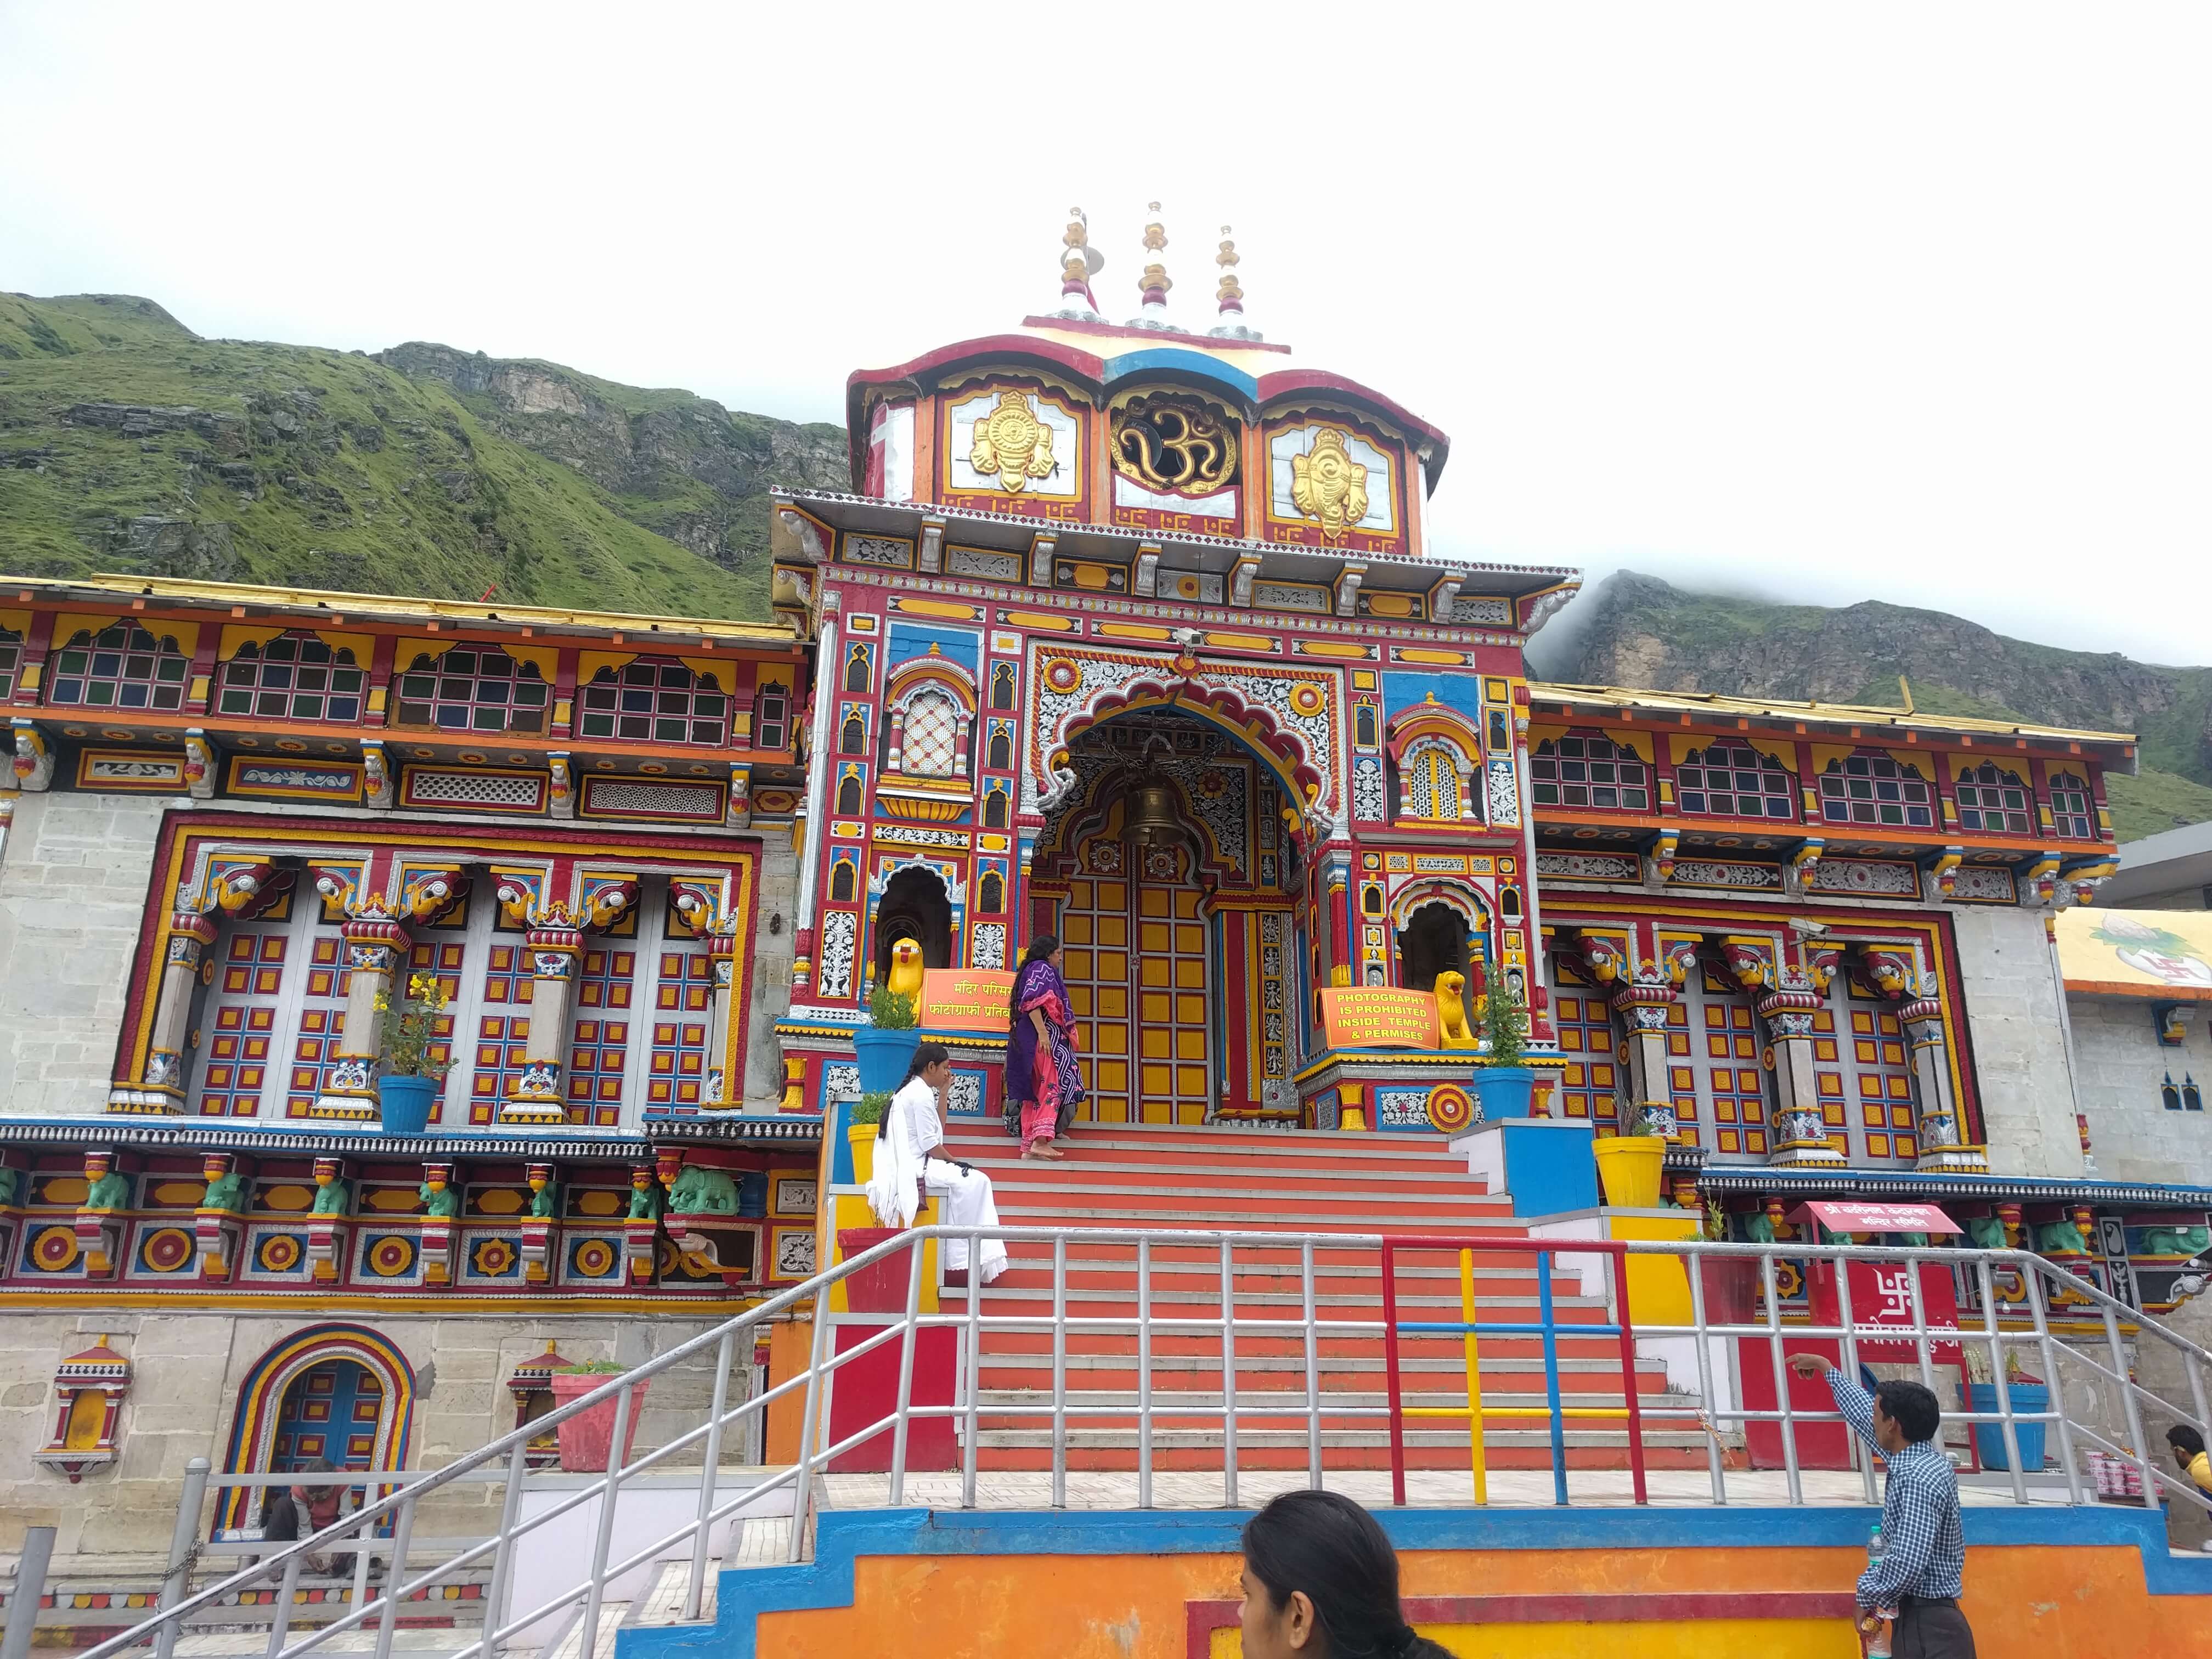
{"x":964,"y":999}
{"x":1369,"y":1017}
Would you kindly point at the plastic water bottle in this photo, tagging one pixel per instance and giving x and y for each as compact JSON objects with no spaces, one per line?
{"x":1874,"y":1625}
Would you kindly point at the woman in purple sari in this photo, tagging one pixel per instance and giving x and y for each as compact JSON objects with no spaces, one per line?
{"x":1044,"y":1083}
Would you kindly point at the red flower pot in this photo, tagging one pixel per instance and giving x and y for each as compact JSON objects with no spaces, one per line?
{"x":587,"y":1437}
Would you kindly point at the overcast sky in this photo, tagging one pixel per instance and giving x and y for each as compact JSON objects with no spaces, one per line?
{"x":1911,"y":302}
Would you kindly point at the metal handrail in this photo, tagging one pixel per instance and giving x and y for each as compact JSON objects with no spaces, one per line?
{"x":1215,"y":1254}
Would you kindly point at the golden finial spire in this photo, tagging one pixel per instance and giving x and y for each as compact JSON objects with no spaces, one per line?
{"x":1230,"y":296}
{"x":1079,"y":265}
{"x":1154,"y":283}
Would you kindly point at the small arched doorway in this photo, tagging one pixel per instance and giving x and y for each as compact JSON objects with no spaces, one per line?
{"x":914,"y":906}
{"x":339,"y":1392}
{"x":1434,"y":941}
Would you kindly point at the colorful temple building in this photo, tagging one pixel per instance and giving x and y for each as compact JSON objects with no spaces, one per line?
{"x":1129,"y":631}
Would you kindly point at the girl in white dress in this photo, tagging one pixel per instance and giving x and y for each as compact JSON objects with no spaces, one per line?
{"x":909,"y":1157}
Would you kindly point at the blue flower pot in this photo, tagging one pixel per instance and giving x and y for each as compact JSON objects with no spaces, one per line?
{"x":1504,"y":1090}
{"x":884,"y":1057}
{"x":1988,"y":1437}
{"x":405,"y":1103}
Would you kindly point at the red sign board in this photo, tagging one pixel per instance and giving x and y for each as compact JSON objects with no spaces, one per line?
{"x":1851,"y":1216}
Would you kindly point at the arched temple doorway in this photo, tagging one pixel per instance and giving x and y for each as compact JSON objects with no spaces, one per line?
{"x":1166,"y":872}
{"x":337,"y":1392}
{"x":914,"y":906}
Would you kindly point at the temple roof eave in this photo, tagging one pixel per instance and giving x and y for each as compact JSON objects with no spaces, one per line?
{"x":1871,"y":721}
{"x":1008,"y":532}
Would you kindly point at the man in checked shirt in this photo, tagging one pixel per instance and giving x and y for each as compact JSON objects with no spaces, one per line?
{"x":1925,"y":1549}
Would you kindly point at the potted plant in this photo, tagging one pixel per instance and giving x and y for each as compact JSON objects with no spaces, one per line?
{"x":886,"y":1046}
{"x":587,"y":1438}
{"x":867,"y":1123}
{"x":411,"y":1080}
{"x":1628,"y":1165}
{"x":1503,"y":1085}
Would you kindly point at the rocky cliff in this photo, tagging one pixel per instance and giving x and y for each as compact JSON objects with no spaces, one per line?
{"x":1638,"y":630}
{"x":128,"y":443}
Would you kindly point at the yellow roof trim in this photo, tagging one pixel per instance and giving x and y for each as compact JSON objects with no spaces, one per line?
{"x":1838,"y":713}
{"x":391,"y":608}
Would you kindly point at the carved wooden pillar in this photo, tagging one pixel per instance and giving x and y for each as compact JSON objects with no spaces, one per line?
{"x":722,"y":1089}
{"x":375,"y":946}
{"x":1941,"y":1137}
{"x":1642,"y":1009}
{"x":159,"y":1087}
{"x":1799,"y":1135}
{"x":537,"y":1096}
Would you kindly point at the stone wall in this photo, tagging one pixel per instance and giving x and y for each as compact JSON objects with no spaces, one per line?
{"x":73,"y":889}
{"x":187,"y":1371}
{"x":2011,"y":997}
{"x":2121,"y":1065}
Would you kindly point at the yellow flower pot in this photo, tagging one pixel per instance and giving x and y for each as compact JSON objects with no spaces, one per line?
{"x":1628,"y":1166}
{"x":861,"y":1138}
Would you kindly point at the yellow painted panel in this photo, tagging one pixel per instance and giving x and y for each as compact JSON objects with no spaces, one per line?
{"x":1156,"y":1046}
{"x":1078,"y":1000}
{"x":1241,"y":641}
{"x":1113,"y":1040}
{"x":601,"y":1201}
{"x":1041,"y":622}
{"x":1190,"y":974}
{"x":1190,"y":1011}
{"x":911,"y":607}
{"x":1153,"y":936}
{"x":1152,"y":901}
{"x":1113,"y":930}
{"x":1113,"y":1002}
{"x":1075,"y":930}
{"x":1333,"y":649}
{"x":1442,"y":659}
{"x":1191,"y":1080}
{"x":501,"y":1200}
{"x":1186,"y":903}
{"x":178,"y":1192}
{"x":1155,"y":1081}
{"x":1131,"y":631}
{"x":1113,"y":896}
{"x":1156,"y":1008}
{"x":1191,"y":1045}
{"x":1076,"y":964}
{"x":1114,"y":1075}
{"x":1190,"y":938}
{"x":1152,"y":970}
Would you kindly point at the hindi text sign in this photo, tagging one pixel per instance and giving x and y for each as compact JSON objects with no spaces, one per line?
{"x":964,"y":999}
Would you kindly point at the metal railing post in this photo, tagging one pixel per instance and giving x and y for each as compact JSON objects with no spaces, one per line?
{"x":181,"y":1539}
{"x":2135,"y":1412}
{"x":710,"y":1471}
{"x":502,"y":1562}
{"x":30,"y":1589}
{"x":2032,"y":1280}
{"x":1713,"y":1459}
{"x":1986,"y":1282}
{"x":1313,"y":1364}
{"x":610,"y":1489}
{"x":282,"y":1621}
{"x":810,"y":1424}
{"x":1143,"y":1373}
{"x":1390,"y":1379}
{"x":394,"y":1577}
{"x":1060,"y":1372}
{"x":1788,"y":1421}
{"x":1228,"y":1375}
{"x":909,"y":1340}
{"x":1551,"y":1340}
{"x":1860,"y":1455}
{"x":967,"y":1453}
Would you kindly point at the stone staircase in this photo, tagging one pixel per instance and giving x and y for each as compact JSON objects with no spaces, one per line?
{"x":1165,"y":1176}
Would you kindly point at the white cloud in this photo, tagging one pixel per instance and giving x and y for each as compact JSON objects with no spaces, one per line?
{"x":1896,"y":301}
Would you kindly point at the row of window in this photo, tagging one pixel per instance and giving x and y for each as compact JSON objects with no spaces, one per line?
{"x":1594,"y":773}
{"x":473,"y":689}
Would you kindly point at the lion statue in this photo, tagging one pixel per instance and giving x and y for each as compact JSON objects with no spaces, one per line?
{"x":1452,"y":1029}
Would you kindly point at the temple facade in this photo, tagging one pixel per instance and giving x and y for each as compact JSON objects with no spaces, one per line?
{"x":1128,"y":631}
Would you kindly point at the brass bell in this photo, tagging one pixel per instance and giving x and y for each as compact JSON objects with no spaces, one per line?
{"x":1150,"y":817}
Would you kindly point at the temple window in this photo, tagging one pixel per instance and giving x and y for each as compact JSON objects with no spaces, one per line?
{"x":991,"y":893}
{"x":843,"y":880}
{"x":293,"y":677}
{"x":473,"y":689}
{"x":1431,"y":777}
{"x":1732,"y":780}
{"x":1993,"y":800}
{"x":269,"y":1028}
{"x":1589,"y":771}
{"x":1875,"y":789}
{"x":11,"y":661}
{"x":856,"y":669}
{"x":1862,"y":1070}
{"x":2072,"y":816}
{"x":1002,"y":749}
{"x":853,"y":738}
{"x":848,"y":794}
{"x":119,"y":667}
{"x":1364,"y":725}
{"x":1002,"y":686}
{"x":994,"y":810}
{"x":655,"y":700}
{"x":771,"y":715}
{"x":932,"y":726}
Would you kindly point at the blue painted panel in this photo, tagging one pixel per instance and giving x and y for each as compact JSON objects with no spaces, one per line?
{"x":1550,"y":1168}
{"x":1170,"y":360}
{"x":1462,"y":691}
{"x":910,"y":639}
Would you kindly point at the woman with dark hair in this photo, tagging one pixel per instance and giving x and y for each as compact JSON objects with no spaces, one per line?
{"x":1044,"y":1082}
{"x":1320,"y":1581}
{"x":910,"y":1159}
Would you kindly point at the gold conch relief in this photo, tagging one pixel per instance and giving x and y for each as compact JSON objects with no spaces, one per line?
{"x":1328,"y":485}
{"x":1013,"y":443}
{"x":1174,"y":446}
